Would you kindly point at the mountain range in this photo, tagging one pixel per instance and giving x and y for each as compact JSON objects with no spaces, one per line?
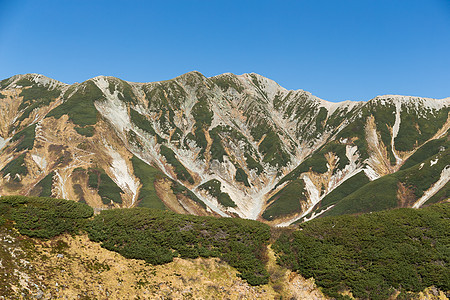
{"x":228,"y":145}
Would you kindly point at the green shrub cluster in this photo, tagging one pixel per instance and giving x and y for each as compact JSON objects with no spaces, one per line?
{"x":180,"y":170}
{"x":225,"y":82}
{"x":147,"y":175}
{"x":80,"y":105}
{"x":381,"y":193}
{"x":318,"y":163}
{"x":343,"y":190}
{"x":416,"y":129}
{"x":178,"y":188}
{"x":176,"y":135}
{"x":202,"y":113}
{"x":272,"y":149}
{"x":286,"y":201}
{"x":428,"y":150}
{"x":442,"y":195}
{"x":143,"y":123}
{"x":87,"y":131}
{"x":26,"y":138}
{"x":217,"y":150}
{"x":127,"y":94}
{"x":44,"y":217}
{"x":213,"y":188}
{"x":35,"y":92}
{"x":372,"y":254}
{"x":241,"y":176}
{"x":34,"y":97}
{"x":16,"y":166}
{"x":321,"y":117}
{"x":252,"y":164}
{"x":158,"y":236}
{"x":45,"y":185}
{"x":107,"y":188}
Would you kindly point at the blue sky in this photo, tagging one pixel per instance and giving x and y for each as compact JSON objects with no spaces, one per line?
{"x":336,"y":49}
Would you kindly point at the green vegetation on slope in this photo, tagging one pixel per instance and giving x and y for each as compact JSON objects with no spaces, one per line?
{"x":26,"y":138}
{"x":35,"y":97}
{"x":45,"y":185}
{"x":178,"y":188}
{"x":318,"y":163}
{"x":179,"y":169}
{"x":346,"y":188}
{"x":213,"y":188}
{"x":376,"y":195}
{"x":80,"y":105}
{"x":271,"y":147}
{"x":157,"y":236}
{"x":107,"y":188}
{"x":286,"y":201}
{"x":371,"y":255}
{"x":224,"y":82}
{"x":252,"y":164}
{"x":442,"y":195}
{"x":416,"y":129}
{"x":147,"y":176}
{"x":143,"y":123}
{"x":217,"y":150}
{"x":44,"y":217}
{"x":426,"y":151}
{"x":381,"y":193}
{"x":16,"y":166}
{"x":87,"y":131}
{"x":241,"y":176}
{"x":384,"y":119}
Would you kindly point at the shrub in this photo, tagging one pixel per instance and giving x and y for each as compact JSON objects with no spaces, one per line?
{"x":157,"y":236}
{"x":44,"y":217}
{"x":372,"y":254}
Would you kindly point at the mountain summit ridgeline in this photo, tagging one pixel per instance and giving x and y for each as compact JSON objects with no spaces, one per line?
{"x":226,"y":145}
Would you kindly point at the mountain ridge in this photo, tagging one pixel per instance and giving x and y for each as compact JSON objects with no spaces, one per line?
{"x":233,"y":145}
{"x":38,"y":75}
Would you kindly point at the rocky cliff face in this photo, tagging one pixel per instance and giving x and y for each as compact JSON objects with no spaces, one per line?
{"x":226,"y":145}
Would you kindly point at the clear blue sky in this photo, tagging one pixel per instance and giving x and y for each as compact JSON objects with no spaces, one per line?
{"x":336,"y":49}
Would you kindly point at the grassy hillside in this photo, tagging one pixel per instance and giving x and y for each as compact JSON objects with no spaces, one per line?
{"x":373,"y":255}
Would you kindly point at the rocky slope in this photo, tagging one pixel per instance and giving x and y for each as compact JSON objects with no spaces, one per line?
{"x":226,"y":145}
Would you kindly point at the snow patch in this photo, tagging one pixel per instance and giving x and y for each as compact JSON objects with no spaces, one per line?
{"x":40,"y":161}
{"x":3,"y":142}
{"x":61,"y":185}
{"x":431,"y":103}
{"x":442,"y":181}
{"x":112,"y":108}
{"x":395,"y":129}
{"x":433,"y":162}
{"x":313,"y":192}
{"x":315,"y":215}
{"x":122,"y":175}
{"x":331,"y":107}
{"x":370,"y":173}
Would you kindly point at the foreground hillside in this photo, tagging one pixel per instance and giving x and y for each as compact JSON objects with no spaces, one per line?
{"x":396,"y":254}
{"x":226,"y":145}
